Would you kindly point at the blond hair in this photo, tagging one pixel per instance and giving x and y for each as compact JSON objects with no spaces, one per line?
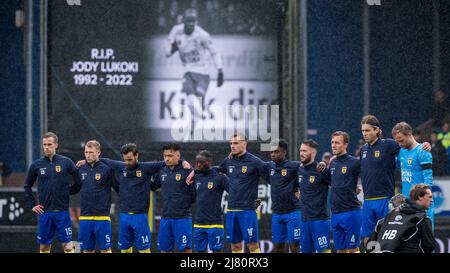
{"x":93,"y":144}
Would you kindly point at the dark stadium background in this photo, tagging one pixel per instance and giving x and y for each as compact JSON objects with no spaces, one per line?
{"x":319,"y":92}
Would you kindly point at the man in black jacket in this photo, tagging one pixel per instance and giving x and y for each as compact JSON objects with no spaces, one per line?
{"x":407,"y":228}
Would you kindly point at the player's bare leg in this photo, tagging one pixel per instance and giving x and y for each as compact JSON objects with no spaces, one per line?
{"x":354,"y":250}
{"x":195,"y":105}
{"x":214,"y":251}
{"x":279,"y":247}
{"x":295,"y":248}
{"x":365,"y":241}
{"x":253,"y":247}
{"x":88,"y":251}
{"x":342,"y":251}
{"x":186,"y":251}
{"x":106,"y":251}
{"x":68,"y":247}
{"x":237,"y":248}
{"x":44,"y":248}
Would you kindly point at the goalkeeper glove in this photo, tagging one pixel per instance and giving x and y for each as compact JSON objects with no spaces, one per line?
{"x":220,"y":78}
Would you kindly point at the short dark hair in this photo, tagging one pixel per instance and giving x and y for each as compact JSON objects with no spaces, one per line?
{"x":191,"y":11}
{"x":402,"y":127}
{"x":281,"y":143}
{"x":311,"y":143}
{"x":171,"y":146}
{"x":50,"y":135}
{"x":344,"y":135}
{"x":129,"y":147}
{"x":418,"y":190}
{"x":206,"y":154}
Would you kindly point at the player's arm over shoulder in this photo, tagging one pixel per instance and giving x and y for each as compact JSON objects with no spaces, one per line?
{"x":425,"y":157}
{"x":259,"y":163}
{"x":392,"y":145}
{"x":152,"y":167}
{"x":115,"y":164}
{"x":71,"y":167}
{"x":426,"y":164}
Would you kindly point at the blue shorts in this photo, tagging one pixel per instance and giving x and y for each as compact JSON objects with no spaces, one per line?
{"x":195,"y":83}
{"x":49,"y":222}
{"x":242,"y":226}
{"x":346,"y":228}
{"x":286,"y":227}
{"x":205,"y":237}
{"x":134,"y":230}
{"x":372,"y":211}
{"x":315,"y":236}
{"x":175,"y":232}
{"x":94,"y":231}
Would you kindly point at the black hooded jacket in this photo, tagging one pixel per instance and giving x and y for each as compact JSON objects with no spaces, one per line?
{"x":406,"y":229}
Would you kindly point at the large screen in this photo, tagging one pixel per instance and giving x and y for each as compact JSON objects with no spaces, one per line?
{"x":110,"y":78}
